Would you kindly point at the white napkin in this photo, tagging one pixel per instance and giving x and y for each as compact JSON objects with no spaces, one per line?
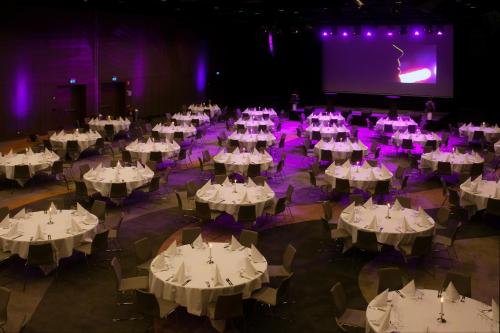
{"x":218,"y":277}
{"x":5,"y":224}
{"x":180,"y":276}
{"x":373,"y":224}
{"x":204,"y":188}
{"x":75,"y":227}
{"x":198,"y":243}
{"x":235,"y":244}
{"x":21,"y":214}
{"x":266,"y":189}
{"x":38,"y":233}
{"x":409,"y":289}
{"x":372,"y":175}
{"x":256,"y":255}
{"x":397,"y":206}
{"x":366,"y":165}
{"x":251,"y":183}
{"x":80,"y":210}
{"x":384,"y":321}
{"x":245,"y":198}
{"x":249,"y":268}
{"x":53,"y":207}
{"x":494,"y":311}
{"x":226,"y":182}
{"x":320,"y":144}
{"x":478,"y":179}
{"x":348,"y":174}
{"x":236,"y":151}
{"x":467,"y":182}
{"x":172,"y":249}
{"x":380,"y":300}
{"x":452,"y":293}
{"x":13,"y":230}
{"x":385,"y":172}
{"x":347,"y":164}
{"x":406,"y":225}
{"x":362,"y":146}
{"x":118,"y":165}
{"x":160,"y":263}
{"x":369,"y":203}
{"x":139,"y":165}
{"x":350,"y":209}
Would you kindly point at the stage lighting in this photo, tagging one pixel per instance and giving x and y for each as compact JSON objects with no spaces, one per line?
{"x":390,"y":33}
{"x":369,"y":34}
{"x":72,"y":81}
{"x":114,"y":79}
{"x":345,"y":33}
{"x":439,"y":33}
{"x":416,"y":33}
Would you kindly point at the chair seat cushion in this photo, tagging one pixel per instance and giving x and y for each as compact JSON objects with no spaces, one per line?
{"x":85,"y":249}
{"x":352,"y":317}
{"x":166,"y":307}
{"x":137,"y":282}
{"x":266,"y":295}
{"x":145,"y":265}
{"x":277,"y":271}
{"x":440,"y":239}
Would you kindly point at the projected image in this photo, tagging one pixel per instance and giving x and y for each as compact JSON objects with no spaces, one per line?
{"x":416,"y":65}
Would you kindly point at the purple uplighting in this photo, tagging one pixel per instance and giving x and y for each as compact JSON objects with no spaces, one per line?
{"x":368,"y":34}
{"x":21,"y":96}
{"x":344,"y":34}
{"x":139,"y":72}
{"x":416,"y":33}
{"x":324,"y":34}
{"x":440,"y":33}
{"x":389,"y":33}
{"x":270,"y":42}
{"x":201,"y":75}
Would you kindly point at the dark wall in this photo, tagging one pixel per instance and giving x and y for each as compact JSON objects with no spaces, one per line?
{"x":43,"y":48}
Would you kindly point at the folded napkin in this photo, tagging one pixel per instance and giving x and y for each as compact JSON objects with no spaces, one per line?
{"x":406,"y":225}
{"x":218,"y":281}
{"x":11,"y":153}
{"x":226,"y":182}
{"x":21,"y":214}
{"x":452,"y":293}
{"x":320,"y":144}
{"x":80,"y":210}
{"x":397,"y":206}
{"x":368,"y":204}
{"x":348,"y":174}
{"x":396,"y":135}
{"x":478,"y":179}
{"x":160,"y":263}
{"x":219,"y":154}
{"x":75,"y":227}
{"x":13,"y":230}
{"x":99,"y":167}
{"x":251,"y":183}
{"x":245,"y":198}
{"x":347,"y":164}
{"x":373,"y":176}
{"x":38,"y":233}
{"x":467,"y":182}
{"x":148,"y":170}
{"x":53,"y":207}
{"x":236,"y":151}
{"x":474,"y":186}
{"x":373,"y":224}
{"x":366,"y":165}
{"x":118,"y":165}
{"x":384,"y":321}
{"x":380,"y":300}
{"x":256,"y":255}
{"x":204,"y":188}
{"x":139,"y":166}
{"x":362,"y":145}
{"x":198,"y":243}
{"x":172,"y":249}
{"x":266,"y":189}
{"x":180,"y":276}
{"x":235,"y":244}
{"x":29,"y":151}
{"x":385,"y":172}
{"x":5,"y":224}
{"x":494,"y":310}
{"x":409,"y":289}
{"x":350,"y":209}
{"x":249,"y":268}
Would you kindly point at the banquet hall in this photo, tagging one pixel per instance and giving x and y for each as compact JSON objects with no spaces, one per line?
{"x":249,"y":166}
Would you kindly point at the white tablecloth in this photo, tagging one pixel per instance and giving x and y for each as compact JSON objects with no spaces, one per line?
{"x":325,"y":118}
{"x":101,"y":181}
{"x":417,"y":314}
{"x":230,"y":198}
{"x":85,"y":140}
{"x":360,"y":177}
{"x":497,"y":148}
{"x":340,"y":150}
{"x":397,"y":125}
{"x":196,"y":295}
{"x":197,"y":108}
{"x":248,"y":141}
{"x":35,"y":162}
{"x":186,"y":119}
{"x":389,"y":231}
{"x":62,"y":239}
{"x":258,"y":114}
{"x":239,"y":162}
{"x":459,"y":162}
{"x":486,"y":189}
{"x":142,"y":150}
{"x":417,"y":138}
{"x":491,"y":134}
{"x":168,"y":131}
{"x":118,"y":124}
{"x":254,"y":124}
{"x":326,"y":131}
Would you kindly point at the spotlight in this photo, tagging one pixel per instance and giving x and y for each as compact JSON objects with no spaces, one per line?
{"x":72,"y":81}
{"x":369,"y":34}
{"x":344,"y":34}
{"x":359,"y":3}
{"x":416,"y":33}
{"x":439,"y":33}
{"x":325,"y":33}
{"x":389,"y":33}
{"x":114,"y":79}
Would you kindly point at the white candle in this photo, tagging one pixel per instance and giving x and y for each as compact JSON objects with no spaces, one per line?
{"x":442,"y":304}
{"x":388,"y":208}
{"x":210,"y":250}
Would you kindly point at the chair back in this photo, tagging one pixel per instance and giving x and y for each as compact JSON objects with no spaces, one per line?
{"x":189,"y":235}
{"x":228,"y":306}
{"x":249,"y":237}
{"x":253,"y":170}
{"x":389,"y":278}
{"x":21,"y":171}
{"x":342,"y":185}
{"x":246,"y":213}
{"x":382,"y":187}
{"x":412,"y":129}
{"x":4,"y":302}
{"x":462,"y":282}
{"x":118,"y":190}
{"x":156,"y":135}
{"x":282,"y":291}
{"x":154,"y":184}
{"x":367,"y":241}
{"x":432,"y":144}
{"x":443,"y":216}
{"x":84,"y":168}
{"x":356,"y":156}
{"x":81,"y":189}
{"x":478,"y":135}
{"x":98,"y":208}
{"x":326,"y":155}
{"x":493,"y":206}
{"x":341,"y":136}
{"x":147,"y":303}
{"x":203,"y":211}
{"x":100,"y":242}
{"x":182,"y":155}
{"x":156,"y":156}
{"x":327,"y":210}
{"x":339,"y":299}
{"x":191,"y":188}
{"x":404,"y":201}
{"x":219,"y":179}
{"x":47,"y":144}
{"x":444,"y":168}
{"x":143,"y":250}
{"x":387,"y":128}
{"x":288,"y":257}
{"x":57,"y":168}
{"x":357,"y":199}
{"x":259,"y":180}
{"x":219,"y":168}
{"x":109,"y":132}
{"x":280,"y":206}
{"x":315,"y":135}
{"x":261,"y":144}
{"x":117,"y":269}
{"x":40,"y":254}
{"x":312,"y":179}
{"x":4,"y":211}
{"x":476,"y":169}
{"x":422,"y":245}
{"x":72,"y":146}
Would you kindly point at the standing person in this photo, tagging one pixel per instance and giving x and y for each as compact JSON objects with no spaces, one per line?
{"x":430,"y":107}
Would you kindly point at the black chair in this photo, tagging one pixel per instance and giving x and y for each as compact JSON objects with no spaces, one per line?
{"x":316,"y":135}
{"x":155,"y":135}
{"x":342,"y":186}
{"x":388,"y":128}
{"x":382,"y":188}
{"x":22,"y":173}
{"x":367,"y":241}
{"x":407,"y":144}
{"x":253,"y":170}
{"x":81,"y":192}
{"x":219,"y":168}
{"x":389,"y":278}
{"x":39,"y":255}
{"x":178,"y":136}
{"x":326,"y":155}
{"x":444,"y":168}
{"x":476,"y":169}
{"x":341,"y":136}
{"x":126,"y":157}
{"x":356,"y":156}
{"x":261,"y":145}
{"x":412,"y":129}
{"x":462,"y":283}
{"x":247,"y":213}
{"x":493,"y":207}
{"x":118,"y":191}
{"x":156,"y":156}
{"x":72,"y":149}
{"x":432,"y":144}
{"x":109,"y":132}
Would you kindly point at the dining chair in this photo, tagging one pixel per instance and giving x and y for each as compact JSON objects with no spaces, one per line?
{"x":389,"y":278}
{"x":219,"y":168}
{"x":4,"y":211}
{"x":98,"y":245}
{"x":419,"y":248}
{"x":342,"y":186}
{"x":461,"y":281}
{"x":189,"y":235}
{"x":143,"y":253}
{"x":114,"y":233}
{"x":4,"y":303}
{"x":118,"y":192}
{"x":156,"y":156}
{"x":442,"y":217}
{"x":109,"y":132}
{"x":124,"y":285}
{"x":248,"y":238}
{"x":367,"y":241}
{"x":247,"y":213}
{"x":382,"y":188}
{"x":447,"y":238}
{"x":186,"y":206}
{"x":98,"y":209}
{"x":444,"y":168}
{"x":152,"y":307}
{"x":344,"y":316}
{"x":73,"y":149}
{"x":356,"y":156}
{"x":326,"y":155}
{"x":404,"y":201}
{"x":225,"y":308}
{"x":253,"y":170}
{"x":39,"y":255}
{"x":259,"y":180}
{"x":274,"y":296}
{"x":84,"y":168}
{"x":357,"y":199}
{"x":286,"y":267}
{"x":493,"y":207}
{"x":22,"y":172}
{"x":204,"y":213}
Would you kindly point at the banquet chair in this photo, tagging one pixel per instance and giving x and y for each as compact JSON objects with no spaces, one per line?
{"x":118,"y":193}
{"x":259,"y":180}
{"x":357,"y":199}
{"x":412,"y":129}
{"x":204,"y":167}
{"x":421,"y":246}
{"x":191,"y":189}
{"x":156,"y":156}
{"x":315,"y":136}
{"x":81,"y":193}
{"x":204,"y":213}
{"x":432,"y":144}
{"x":404,"y":201}
{"x":462,"y":283}
{"x":377,"y":153}
{"x":341,"y":136}
{"x":248,"y":237}
{"x":367,"y":241}
{"x":186,"y":206}
{"x":326,"y":156}
{"x":476,"y":170}
{"x":114,"y":233}
{"x":152,"y":307}
{"x":447,"y":238}
{"x":317,"y":182}
{"x":492,"y":207}
{"x":442,"y":217}
{"x":253,"y":170}
{"x":373,"y":147}
{"x":152,"y":165}
{"x":273,"y":297}
{"x":261,"y":144}
{"x":407,"y":144}
{"x":143,"y":250}
{"x":286,"y":267}
{"x":4,"y":211}
{"x":47,"y":144}
{"x":277,"y":209}
{"x":219,"y":168}
{"x":124,"y":285}
{"x":388,"y":128}
{"x":402,"y":185}
{"x":57,"y":171}
{"x":444,"y":168}
{"x":72,"y":149}
{"x":178,"y":137}
{"x":189,"y":235}
{"x":457,"y":204}
{"x":155,"y":135}
{"x":180,"y":157}
{"x":84,"y":168}
{"x":342,"y":186}
{"x":382,"y":188}
{"x":109,"y":132}
{"x":344,"y":316}
{"x":356,"y":156}
{"x":152,"y":187}
{"x":478,"y":136}
{"x":247,"y":213}
{"x":98,"y":209}
{"x":219,"y":179}
{"x":22,"y":172}
{"x":39,"y":255}
{"x":279,"y":170}
{"x":226,"y":307}
{"x":98,"y":245}
{"x":4,"y":302}
{"x":389,"y":278}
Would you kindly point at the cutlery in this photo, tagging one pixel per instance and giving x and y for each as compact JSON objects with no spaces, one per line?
{"x":170,"y":277}
{"x":208,"y":284}
{"x":462,"y":299}
{"x":192,"y":246}
{"x":187,"y":281}
{"x":261,"y":272}
{"x":229,"y":281}
{"x":400,"y":294}
{"x":17,"y":236}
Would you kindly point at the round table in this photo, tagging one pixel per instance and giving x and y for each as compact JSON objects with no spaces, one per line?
{"x":85,"y":140}
{"x":229,"y":197}
{"x":142,"y":150}
{"x":325,"y":118}
{"x":340,"y":150}
{"x":254,"y":124}
{"x":239,"y":162}
{"x":118,"y":124}
{"x":491,"y":134}
{"x":187,"y":119}
{"x":259,"y":114}
{"x":416,"y":138}
{"x":35,"y":162}
{"x":326,"y":131}
{"x":100,"y":180}
{"x":497,"y":148}
{"x":360,"y":177}
{"x":419,"y":313}
{"x":168,"y":131}
{"x":249,"y":141}
{"x":397,"y":125}
{"x":199,"y":108}
{"x":459,"y":162}
{"x":389,"y":231}
{"x":62,"y":238}
{"x":486,"y":189}
{"x":197,"y":294}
